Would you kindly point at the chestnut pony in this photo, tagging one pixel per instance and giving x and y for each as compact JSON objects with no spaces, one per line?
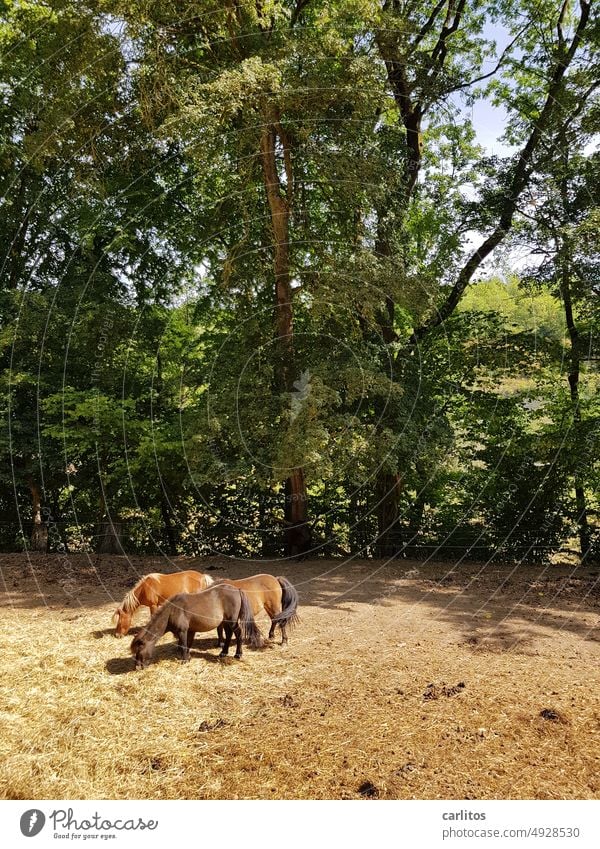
{"x":276,"y":596}
{"x":220,"y":605}
{"x":154,"y":589}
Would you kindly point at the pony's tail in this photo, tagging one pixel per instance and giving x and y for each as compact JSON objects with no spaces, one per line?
{"x":289,"y":605}
{"x":250,"y":631}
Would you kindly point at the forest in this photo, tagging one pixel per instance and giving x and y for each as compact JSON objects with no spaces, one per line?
{"x":267,"y":290}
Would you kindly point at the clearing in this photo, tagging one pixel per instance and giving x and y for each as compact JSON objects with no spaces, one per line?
{"x":403,"y":680}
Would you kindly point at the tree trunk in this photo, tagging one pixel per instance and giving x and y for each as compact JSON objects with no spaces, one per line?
{"x":109,"y":532}
{"x":164,"y":501}
{"x":39,"y":532}
{"x":298,"y":533}
{"x":583,"y":528}
{"x":415,"y":519}
{"x":22,"y":211}
{"x":168,"y":525}
{"x":387,"y":493}
{"x":58,"y":524}
{"x":109,"y":537}
{"x":564,"y":253}
{"x":386,"y":485}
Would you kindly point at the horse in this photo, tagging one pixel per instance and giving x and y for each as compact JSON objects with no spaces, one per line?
{"x":276,"y":596}
{"x":154,"y":589}
{"x":220,"y":605}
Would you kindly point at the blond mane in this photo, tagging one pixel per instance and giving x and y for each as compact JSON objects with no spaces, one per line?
{"x":131,"y":602}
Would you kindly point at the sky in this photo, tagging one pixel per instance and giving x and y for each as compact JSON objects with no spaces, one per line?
{"x":488,"y":120}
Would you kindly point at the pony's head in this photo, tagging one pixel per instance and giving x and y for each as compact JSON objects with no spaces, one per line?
{"x":123,"y":619}
{"x":142,"y":648}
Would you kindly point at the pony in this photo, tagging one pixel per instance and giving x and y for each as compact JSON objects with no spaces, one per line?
{"x":154,"y":589}
{"x":184,"y":614}
{"x":276,"y":596}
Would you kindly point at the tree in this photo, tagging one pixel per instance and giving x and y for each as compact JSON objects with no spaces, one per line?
{"x":250,"y":253}
{"x":562,"y":218}
{"x":445,"y":55}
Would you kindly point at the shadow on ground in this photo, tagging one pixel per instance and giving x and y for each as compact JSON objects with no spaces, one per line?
{"x":168,"y":652}
{"x":493,"y":607}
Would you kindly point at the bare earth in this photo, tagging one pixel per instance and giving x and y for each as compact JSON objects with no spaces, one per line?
{"x":402,"y":681}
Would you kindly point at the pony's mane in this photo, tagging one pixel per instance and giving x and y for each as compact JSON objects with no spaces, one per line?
{"x":157,"y":625}
{"x":131,"y":603}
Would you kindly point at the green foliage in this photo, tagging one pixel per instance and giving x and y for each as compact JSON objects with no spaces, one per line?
{"x":138,"y":354}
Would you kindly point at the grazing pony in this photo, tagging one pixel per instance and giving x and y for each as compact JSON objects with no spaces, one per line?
{"x":276,"y":596}
{"x":218,"y":606}
{"x":152,"y":590}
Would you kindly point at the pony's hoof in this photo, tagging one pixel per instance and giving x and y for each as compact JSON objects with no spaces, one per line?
{"x":237,"y":657}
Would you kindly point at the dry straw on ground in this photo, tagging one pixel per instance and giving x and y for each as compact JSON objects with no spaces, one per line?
{"x":366,"y":701}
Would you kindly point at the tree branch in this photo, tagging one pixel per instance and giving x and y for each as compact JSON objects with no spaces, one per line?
{"x":505,"y":52}
{"x":286,"y":144}
{"x":427,"y":26}
{"x":412,"y":110}
{"x":440,"y":50}
{"x":297,"y":11}
{"x":520,"y":178}
{"x":559,"y":25}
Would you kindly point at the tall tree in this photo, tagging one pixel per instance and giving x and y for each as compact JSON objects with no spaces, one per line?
{"x":431,"y":55}
{"x":561,"y":211}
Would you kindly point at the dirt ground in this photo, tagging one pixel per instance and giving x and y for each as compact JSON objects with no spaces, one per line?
{"x":403,"y":680}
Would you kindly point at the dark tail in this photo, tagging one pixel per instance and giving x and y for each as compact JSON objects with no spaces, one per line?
{"x":250,"y":631}
{"x":289,"y":605}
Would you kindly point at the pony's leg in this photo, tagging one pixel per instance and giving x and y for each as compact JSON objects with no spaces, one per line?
{"x":273,"y":611}
{"x":182,"y":639}
{"x":272,"y":608}
{"x":190,"y":641}
{"x":238,"y":637}
{"x":227,"y":643}
{"x":220,"y":636}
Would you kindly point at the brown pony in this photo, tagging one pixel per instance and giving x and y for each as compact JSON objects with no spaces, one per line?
{"x":218,"y":606}
{"x":152,"y":590}
{"x":276,"y":596}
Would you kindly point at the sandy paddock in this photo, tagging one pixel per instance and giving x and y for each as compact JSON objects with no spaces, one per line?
{"x":405,"y":680}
